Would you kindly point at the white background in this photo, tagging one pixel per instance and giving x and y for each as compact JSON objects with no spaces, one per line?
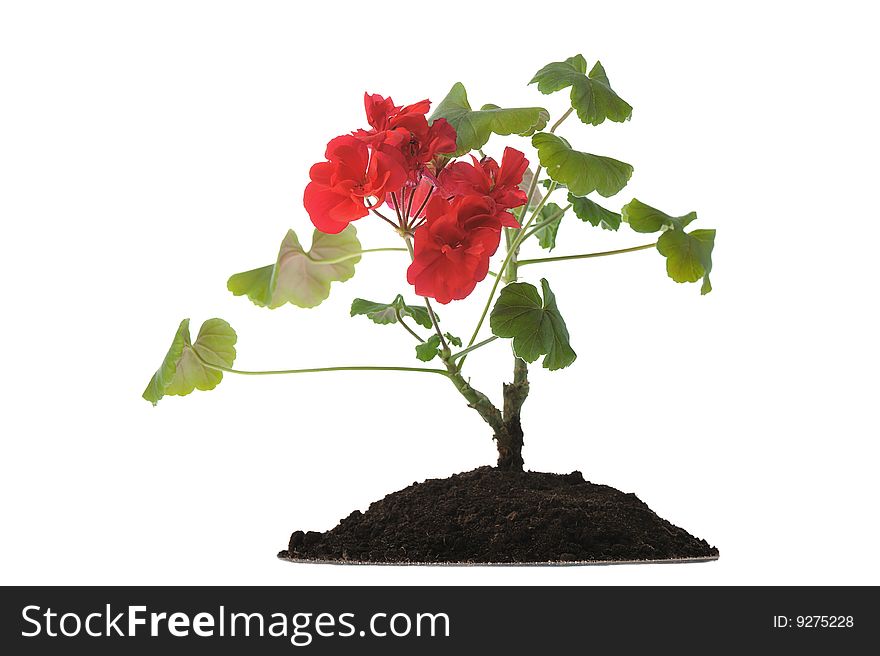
{"x":150,"y":149}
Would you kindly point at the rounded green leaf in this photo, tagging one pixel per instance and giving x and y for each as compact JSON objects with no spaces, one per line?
{"x":688,"y":255}
{"x":582,"y":173}
{"x":591,"y":95}
{"x":299,"y":277}
{"x":644,"y":218}
{"x":536,"y":327}
{"x":474,"y":127}
{"x":183,"y":369}
{"x":429,"y":349}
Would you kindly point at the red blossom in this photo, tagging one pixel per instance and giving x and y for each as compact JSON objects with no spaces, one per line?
{"x":340,"y":187}
{"x":500,"y":184}
{"x":383,"y":114}
{"x":406,"y":130}
{"x":453,"y":247}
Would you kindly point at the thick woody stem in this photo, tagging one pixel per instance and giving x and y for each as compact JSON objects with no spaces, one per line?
{"x":506,"y":426}
{"x":477,"y":400}
{"x":511,"y":439}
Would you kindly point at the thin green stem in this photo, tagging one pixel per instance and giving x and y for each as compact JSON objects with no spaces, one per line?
{"x":508,"y":270}
{"x":584,"y":256}
{"x":351,"y":256}
{"x":436,"y":325}
{"x":511,"y":252}
{"x":455,"y":356}
{"x":279,"y":372}
{"x":509,"y":273}
{"x":562,"y":118}
{"x":535,"y":228}
{"x":521,"y":236}
{"x":406,"y":327}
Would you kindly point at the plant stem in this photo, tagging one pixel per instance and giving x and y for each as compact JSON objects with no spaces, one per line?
{"x":455,"y":356}
{"x":510,"y":274}
{"x":521,"y":236}
{"x":584,"y":256}
{"x":351,"y":256}
{"x":423,"y":205}
{"x":511,"y":253}
{"x":562,"y":118}
{"x":436,"y":325}
{"x":405,"y":326}
{"x":476,"y":400}
{"x":508,"y":242}
{"x":385,"y":219}
{"x":510,"y":443}
{"x":410,"y":204}
{"x":397,"y":209}
{"x":535,"y":228}
{"x":278,"y":372}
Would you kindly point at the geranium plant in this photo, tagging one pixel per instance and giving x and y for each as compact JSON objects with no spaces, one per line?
{"x":455,"y":208}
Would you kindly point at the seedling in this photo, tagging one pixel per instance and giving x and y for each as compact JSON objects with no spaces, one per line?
{"x":454,"y":208}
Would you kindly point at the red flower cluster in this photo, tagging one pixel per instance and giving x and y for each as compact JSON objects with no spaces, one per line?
{"x":500,"y":184}
{"x":455,"y":214}
{"x":405,"y":130}
{"x":368,"y":164}
{"x":461,"y":232}
{"x":453,"y":247}
{"x":341,"y":187}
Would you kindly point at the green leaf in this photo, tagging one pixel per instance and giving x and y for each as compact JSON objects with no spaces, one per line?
{"x":452,"y":339}
{"x":688,"y":255}
{"x":547,"y":183}
{"x":182,"y":371}
{"x":591,"y":95}
{"x":429,"y":349}
{"x":386,"y":313}
{"x":536,"y":326}
{"x":593,"y":213}
{"x":644,"y":218}
{"x":474,"y":127}
{"x":300,"y":277}
{"x":582,"y":173}
{"x":547,"y":235}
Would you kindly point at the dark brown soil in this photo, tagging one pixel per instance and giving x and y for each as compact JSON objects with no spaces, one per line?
{"x":490,"y":516}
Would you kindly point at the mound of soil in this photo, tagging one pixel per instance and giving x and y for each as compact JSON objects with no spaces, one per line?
{"x":490,"y":516}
